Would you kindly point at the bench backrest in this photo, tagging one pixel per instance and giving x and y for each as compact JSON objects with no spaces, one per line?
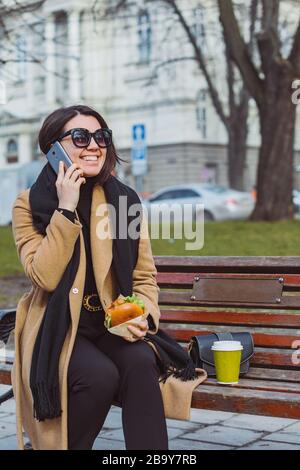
{"x":200,"y":295}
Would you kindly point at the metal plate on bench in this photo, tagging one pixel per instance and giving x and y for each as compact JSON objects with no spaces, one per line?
{"x":217,"y":289}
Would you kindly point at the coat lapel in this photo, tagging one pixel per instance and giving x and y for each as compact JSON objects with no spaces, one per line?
{"x":101,"y":240}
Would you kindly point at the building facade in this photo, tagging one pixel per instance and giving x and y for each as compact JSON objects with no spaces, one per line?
{"x":135,"y":68}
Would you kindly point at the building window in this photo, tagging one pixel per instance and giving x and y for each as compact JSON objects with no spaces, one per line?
{"x":201,"y":113}
{"x":21,"y":53}
{"x":209,"y":173}
{"x":12,"y":151}
{"x":37,"y":153}
{"x":2,"y":92}
{"x":199,"y":26}
{"x":61,"y":57}
{"x":38,"y":45}
{"x":144,"y":37}
{"x":84,"y":21}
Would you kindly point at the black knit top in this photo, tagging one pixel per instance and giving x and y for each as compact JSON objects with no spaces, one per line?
{"x":91,"y":323}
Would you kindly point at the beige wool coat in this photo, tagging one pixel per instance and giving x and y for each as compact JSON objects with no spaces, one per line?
{"x":44,"y":259}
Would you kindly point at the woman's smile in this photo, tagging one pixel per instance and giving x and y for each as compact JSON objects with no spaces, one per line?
{"x":90,"y":160}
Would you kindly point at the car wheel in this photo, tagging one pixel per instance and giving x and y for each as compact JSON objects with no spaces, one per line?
{"x":208,"y":216}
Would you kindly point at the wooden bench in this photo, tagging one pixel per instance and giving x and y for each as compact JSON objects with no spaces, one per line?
{"x":261,"y":295}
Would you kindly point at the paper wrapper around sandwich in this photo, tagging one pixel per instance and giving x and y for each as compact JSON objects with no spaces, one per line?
{"x":121,"y":329}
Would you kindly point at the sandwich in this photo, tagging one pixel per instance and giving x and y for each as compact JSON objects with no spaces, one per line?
{"x":124,"y":309}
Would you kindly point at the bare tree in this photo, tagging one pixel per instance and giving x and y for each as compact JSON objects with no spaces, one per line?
{"x":233,"y":113}
{"x":270,"y":86}
{"x":235,"y":121}
{"x":14,"y":9}
{"x":13,"y":22}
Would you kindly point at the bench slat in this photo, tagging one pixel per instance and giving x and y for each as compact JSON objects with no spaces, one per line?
{"x":240,"y":264}
{"x":261,"y":385}
{"x":260,"y":339}
{"x":288,"y":376}
{"x":282,"y":320}
{"x":177,"y":279}
{"x":184,"y":298}
{"x":273,"y":359}
{"x":261,"y":402}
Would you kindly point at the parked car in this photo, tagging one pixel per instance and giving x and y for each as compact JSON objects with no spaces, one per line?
{"x":219,"y":203}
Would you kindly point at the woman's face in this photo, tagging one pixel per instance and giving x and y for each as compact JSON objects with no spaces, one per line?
{"x":92,"y":167}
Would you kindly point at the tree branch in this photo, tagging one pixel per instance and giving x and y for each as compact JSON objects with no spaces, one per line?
{"x":110,"y":11}
{"x":270,"y":15}
{"x":295,"y":51}
{"x":239,"y":51}
{"x":20,"y":8}
{"x":268,"y":40}
{"x":201,"y":61}
{"x":253,"y":18}
{"x":123,"y":4}
{"x":165,"y":63}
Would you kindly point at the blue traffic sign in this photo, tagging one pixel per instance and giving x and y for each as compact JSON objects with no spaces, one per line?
{"x":138,"y":132}
{"x":138,"y":153}
{"x":139,"y":150}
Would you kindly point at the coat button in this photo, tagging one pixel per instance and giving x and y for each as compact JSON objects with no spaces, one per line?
{"x":75,"y":290}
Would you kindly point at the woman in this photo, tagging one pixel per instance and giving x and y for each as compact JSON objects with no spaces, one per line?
{"x":68,"y":368}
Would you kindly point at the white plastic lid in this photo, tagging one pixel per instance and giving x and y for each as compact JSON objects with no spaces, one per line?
{"x":227,"y":346}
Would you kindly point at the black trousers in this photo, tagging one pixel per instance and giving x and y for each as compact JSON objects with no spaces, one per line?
{"x":106,"y":369}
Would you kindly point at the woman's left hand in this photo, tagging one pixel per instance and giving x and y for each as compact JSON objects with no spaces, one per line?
{"x":138,"y":330}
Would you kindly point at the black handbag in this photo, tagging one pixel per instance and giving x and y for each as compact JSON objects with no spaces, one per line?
{"x":202,"y":355}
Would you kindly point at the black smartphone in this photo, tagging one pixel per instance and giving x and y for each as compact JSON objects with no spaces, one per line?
{"x":57,"y":153}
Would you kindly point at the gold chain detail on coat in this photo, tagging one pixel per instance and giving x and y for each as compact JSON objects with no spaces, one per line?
{"x":88,"y":306}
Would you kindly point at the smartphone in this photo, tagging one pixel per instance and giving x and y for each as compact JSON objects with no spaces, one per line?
{"x":57,"y":153}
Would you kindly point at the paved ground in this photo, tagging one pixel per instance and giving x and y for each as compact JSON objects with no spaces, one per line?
{"x":211,"y":430}
{"x":12,"y":288}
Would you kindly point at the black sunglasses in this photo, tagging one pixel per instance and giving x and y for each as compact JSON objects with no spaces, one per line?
{"x":82,"y":137}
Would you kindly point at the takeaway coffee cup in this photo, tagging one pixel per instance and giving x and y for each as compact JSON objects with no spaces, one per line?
{"x":227,"y":357}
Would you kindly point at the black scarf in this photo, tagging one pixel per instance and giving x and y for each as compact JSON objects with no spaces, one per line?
{"x":44,"y":378}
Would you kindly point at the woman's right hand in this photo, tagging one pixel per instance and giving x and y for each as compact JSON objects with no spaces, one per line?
{"x":68,"y":186}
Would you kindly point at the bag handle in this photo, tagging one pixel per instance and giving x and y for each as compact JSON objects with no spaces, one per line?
{"x":224,"y":336}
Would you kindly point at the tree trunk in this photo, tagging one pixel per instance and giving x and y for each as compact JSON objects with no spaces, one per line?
{"x":237,"y":144}
{"x":270,"y":86}
{"x":276,"y":156}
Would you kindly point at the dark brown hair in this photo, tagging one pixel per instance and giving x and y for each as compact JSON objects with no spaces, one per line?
{"x":53,"y":127}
